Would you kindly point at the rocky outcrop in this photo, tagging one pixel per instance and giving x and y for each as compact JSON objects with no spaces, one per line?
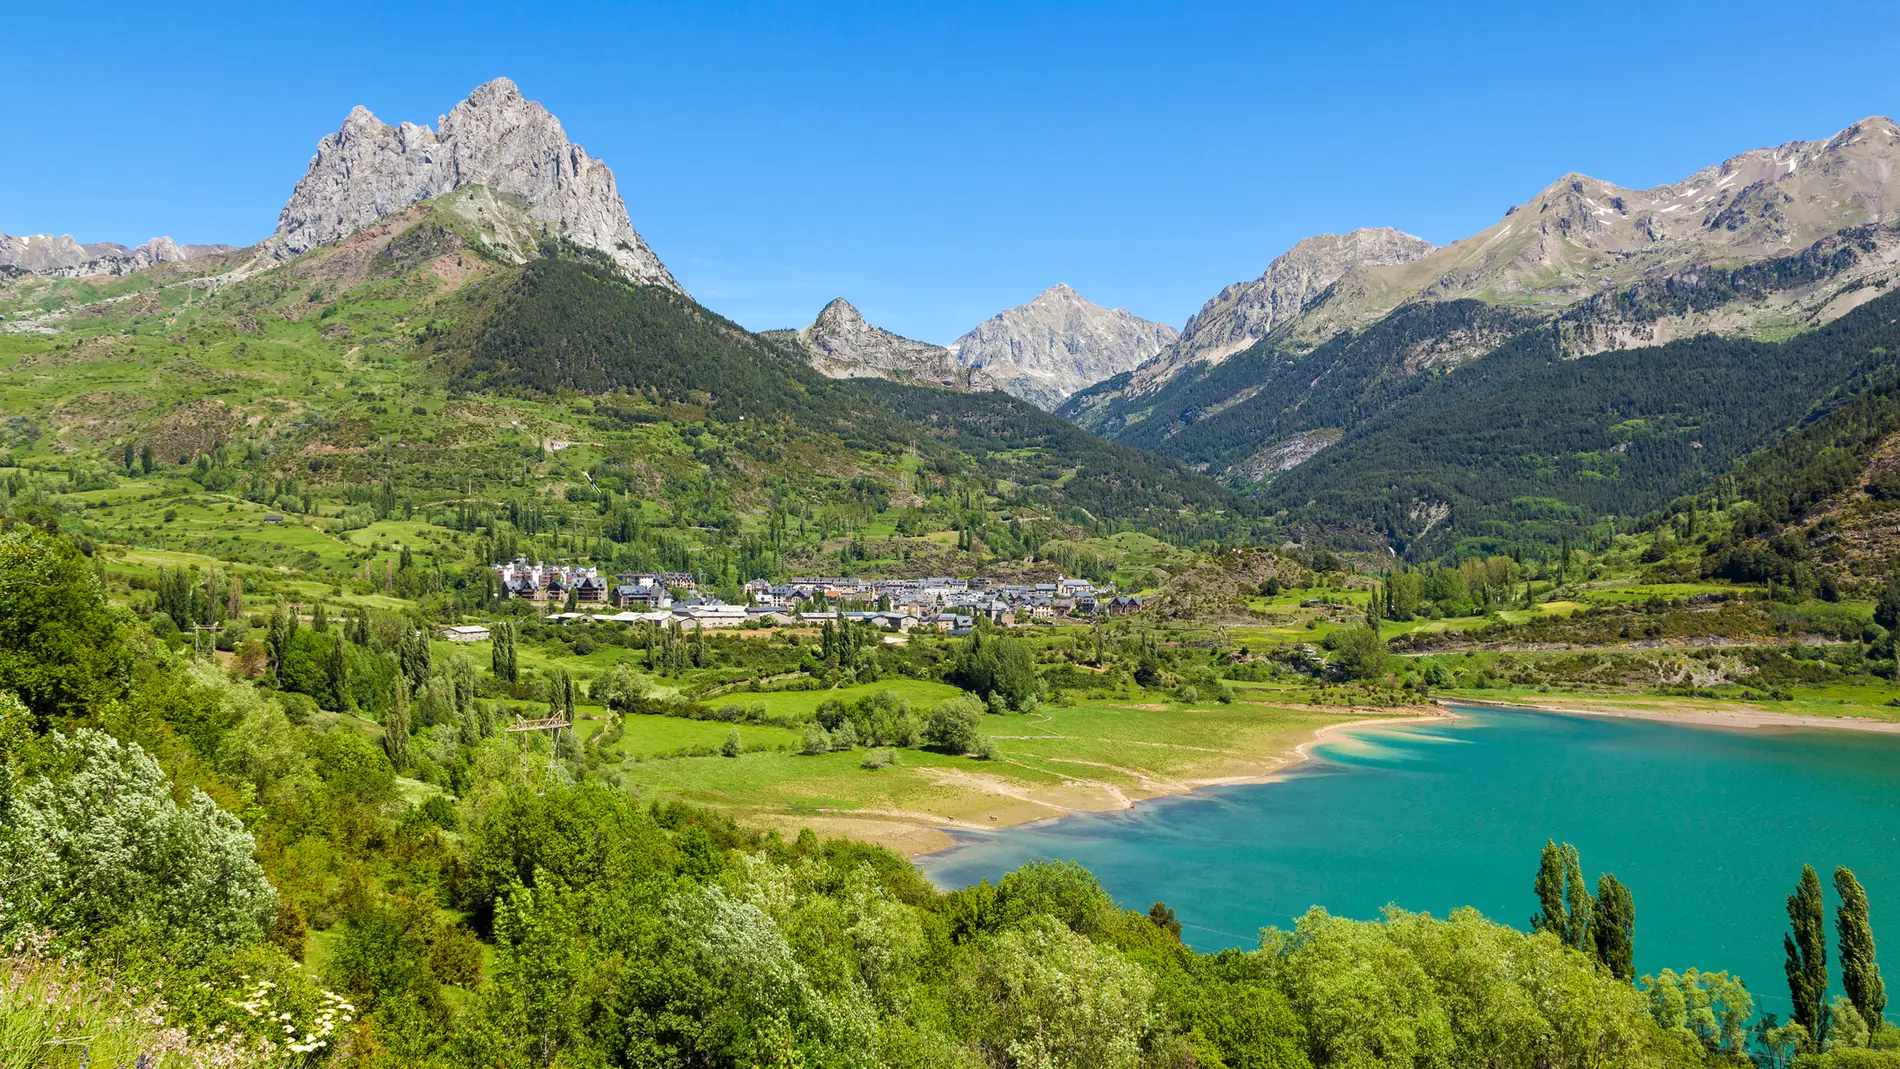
{"x":1246,"y":312}
{"x":46,"y":254}
{"x":1582,"y":236}
{"x":1057,"y":344}
{"x":842,"y":345}
{"x":496,"y":138}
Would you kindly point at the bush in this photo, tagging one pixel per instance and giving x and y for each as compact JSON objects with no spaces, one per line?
{"x":878,"y":758}
{"x":814,"y":741}
{"x":100,"y":844}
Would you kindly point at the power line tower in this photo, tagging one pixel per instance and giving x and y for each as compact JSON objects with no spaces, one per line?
{"x":202,"y":631}
{"x":550,"y":724}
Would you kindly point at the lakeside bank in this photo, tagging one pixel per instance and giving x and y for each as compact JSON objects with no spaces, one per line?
{"x":1738,"y":716}
{"x":982,"y":798}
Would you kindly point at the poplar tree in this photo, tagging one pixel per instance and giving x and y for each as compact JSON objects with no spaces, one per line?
{"x":1579,"y":905}
{"x":396,"y":726}
{"x":277,"y":640}
{"x":339,"y":672}
{"x":1860,"y":974}
{"x":1566,"y":904}
{"x":1615,"y":928}
{"x":1806,"y":949}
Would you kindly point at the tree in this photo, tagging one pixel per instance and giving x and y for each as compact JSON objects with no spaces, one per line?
{"x":62,"y":647}
{"x":1887,"y":609}
{"x":561,"y":694}
{"x":1161,"y":915}
{"x":414,"y":654}
{"x":339,"y":672}
{"x":1565,"y":904}
{"x":1051,"y":998}
{"x":1860,"y":973}
{"x":1708,"y":1009}
{"x":955,"y":725}
{"x":997,"y":665}
{"x":396,"y":727}
{"x":502,"y":660}
{"x":1806,"y":948}
{"x":277,"y":640}
{"x":537,"y":966}
{"x":1615,"y":927}
{"x":100,"y":844}
{"x":731,"y":746}
{"x":1358,"y":651}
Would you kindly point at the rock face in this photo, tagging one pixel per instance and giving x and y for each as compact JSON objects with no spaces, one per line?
{"x":1057,"y":344}
{"x":1582,"y":236}
{"x":842,"y":345}
{"x":495,"y":138}
{"x":1245,"y":312}
{"x":45,"y":254}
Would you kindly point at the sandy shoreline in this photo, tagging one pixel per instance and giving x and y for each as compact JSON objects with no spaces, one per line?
{"x":916,"y":834}
{"x":1740,"y":718}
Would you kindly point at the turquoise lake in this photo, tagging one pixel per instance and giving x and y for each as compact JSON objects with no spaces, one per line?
{"x":1709,"y":829}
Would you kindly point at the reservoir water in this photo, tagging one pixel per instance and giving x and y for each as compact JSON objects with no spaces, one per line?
{"x":1709,"y":829}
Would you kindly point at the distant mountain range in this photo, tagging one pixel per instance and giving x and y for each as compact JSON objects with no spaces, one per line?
{"x":1041,"y":351}
{"x":62,"y":257}
{"x":1345,"y":340}
{"x":1325,"y":388}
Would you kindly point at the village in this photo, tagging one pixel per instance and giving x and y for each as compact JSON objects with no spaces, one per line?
{"x":944,"y":603}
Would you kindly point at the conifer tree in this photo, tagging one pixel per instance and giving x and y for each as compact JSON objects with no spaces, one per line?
{"x":1860,"y":973}
{"x":1615,"y":927}
{"x":1806,"y":949}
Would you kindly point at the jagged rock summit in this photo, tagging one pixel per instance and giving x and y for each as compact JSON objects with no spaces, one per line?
{"x":497,"y":139}
{"x":47,"y":254}
{"x":841,"y":344}
{"x":1059,"y":343}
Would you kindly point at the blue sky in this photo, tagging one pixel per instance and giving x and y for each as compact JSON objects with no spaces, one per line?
{"x":936,"y":163}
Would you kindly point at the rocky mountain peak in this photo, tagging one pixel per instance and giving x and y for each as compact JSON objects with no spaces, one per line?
{"x":839,"y":343}
{"x":839,"y":315}
{"x":1059,"y":343}
{"x":496,"y":138}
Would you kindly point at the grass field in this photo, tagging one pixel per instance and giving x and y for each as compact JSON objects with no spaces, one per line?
{"x":1082,"y":758}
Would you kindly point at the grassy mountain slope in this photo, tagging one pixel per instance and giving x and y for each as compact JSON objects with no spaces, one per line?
{"x":438,"y":365}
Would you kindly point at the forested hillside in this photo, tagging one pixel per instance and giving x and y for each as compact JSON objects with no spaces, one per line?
{"x":1528,"y":436}
{"x":273,"y":887}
